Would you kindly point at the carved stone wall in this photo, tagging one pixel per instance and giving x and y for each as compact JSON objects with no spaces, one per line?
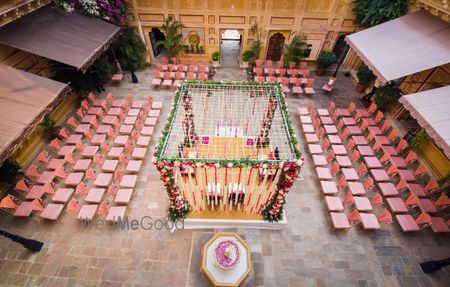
{"x":322,"y":21}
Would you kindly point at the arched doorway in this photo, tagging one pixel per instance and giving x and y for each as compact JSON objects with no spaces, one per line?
{"x":275,"y":46}
{"x":230,"y":47}
{"x":156,"y":35}
{"x":339,"y":47}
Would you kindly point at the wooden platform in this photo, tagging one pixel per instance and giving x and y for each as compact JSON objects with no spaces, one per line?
{"x":227,"y":147}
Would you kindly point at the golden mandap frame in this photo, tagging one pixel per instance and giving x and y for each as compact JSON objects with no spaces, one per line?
{"x":228,"y":155}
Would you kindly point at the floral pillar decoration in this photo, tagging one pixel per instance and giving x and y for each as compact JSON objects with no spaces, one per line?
{"x":273,"y":210}
{"x":178,"y":207}
{"x":263,"y":138}
{"x":190,"y":137}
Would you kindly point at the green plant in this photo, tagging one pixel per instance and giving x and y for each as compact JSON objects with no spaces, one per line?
{"x":365,"y":75}
{"x":49,"y":127}
{"x":215,"y":56}
{"x":248,"y":56}
{"x":295,"y":51}
{"x":174,"y":39}
{"x":325,"y":60}
{"x":386,"y":96}
{"x":130,"y":50}
{"x":418,"y":139}
{"x":373,"y":12}
{"x":257,"y":44}
{"x":9,"y":171}
{"x":105,"y":68}
{"x":444,"y":179}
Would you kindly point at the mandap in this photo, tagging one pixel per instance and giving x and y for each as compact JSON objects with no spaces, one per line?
{"x":228,"y":150}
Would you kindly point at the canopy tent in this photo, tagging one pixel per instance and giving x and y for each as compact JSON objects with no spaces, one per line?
{"x":404,"y":46}
{"x":431,"y":110}
{"x":24,"y":99}
{"x":69,"y":38}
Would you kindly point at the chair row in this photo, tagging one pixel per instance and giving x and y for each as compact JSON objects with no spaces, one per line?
{"x":339,"y":152}
{"x":168,"y":79}
{"x":74,"y":168}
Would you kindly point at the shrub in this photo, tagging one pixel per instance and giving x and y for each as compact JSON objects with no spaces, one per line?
{"x":248,"y":56}
{"x":365,"y":75}
{"x":418,"y":139}
{"x":130,"y":50}
{"x":325,"y":60}
{"x":9,"y":171}
{"x":295,"y":51}
{"x":49,"y":127}
{"x":215,"y":56}
{"x":386,"y":96}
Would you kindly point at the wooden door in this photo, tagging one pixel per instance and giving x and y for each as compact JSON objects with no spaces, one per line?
{"x":275,"y":47}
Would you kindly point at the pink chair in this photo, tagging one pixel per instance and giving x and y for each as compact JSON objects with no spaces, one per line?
{"x":309,"y":87}
{"x":43,"y":157}
{"x":22,"y":186}
{"x":377,"y":200}
{"x":323,"y":173}
{"x":385,"y":217}
{"x":32,"y":171}
{"x":431,"y":186}
{"x":293,"y":78}
{"x":407,"y":223}
{"x":334,"y":203}
{"x":339,"y":220}
{"x":329,"y":187}
{"x":156,"y":78}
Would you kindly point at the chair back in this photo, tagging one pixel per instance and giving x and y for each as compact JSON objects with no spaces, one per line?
{"x":401,"y":185}
{"x":354,"y":216}
{"x":21,"y":185}
{"x":362,"y":169}
{"x":377,"y":200}
{"x":73,"y":206}
{"x":368,"y":183}
{"x":372,"y":108}
{"x":412,"y":200}
{"x":379,"y":117}
{"x":385,"y":217}
{"x":32,"y":171}
{"x":348,"y":199}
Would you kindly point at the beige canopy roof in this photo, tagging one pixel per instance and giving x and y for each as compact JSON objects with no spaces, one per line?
{"x":404,"y":46}
{"x":70,"y":38}
{"x":431,"y":109}
{"x":24,"y":99}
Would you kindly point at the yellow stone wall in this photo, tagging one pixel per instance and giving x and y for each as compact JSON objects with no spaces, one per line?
{"x":322,"y":21}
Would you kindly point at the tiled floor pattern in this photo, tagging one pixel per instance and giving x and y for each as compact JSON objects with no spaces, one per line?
{"x":306,"y":253}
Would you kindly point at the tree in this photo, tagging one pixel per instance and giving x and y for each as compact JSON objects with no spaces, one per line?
{"x":258,"y":34}
{"x":130,"y":50}
{"x":294,"y":52}
{"x":174,"y":39}
{"x":374,"y":12}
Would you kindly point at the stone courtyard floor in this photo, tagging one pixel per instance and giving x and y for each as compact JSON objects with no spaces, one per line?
{"x":306,"y":253}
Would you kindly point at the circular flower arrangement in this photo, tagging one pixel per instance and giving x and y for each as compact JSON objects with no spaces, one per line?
{"x":227,"y":254}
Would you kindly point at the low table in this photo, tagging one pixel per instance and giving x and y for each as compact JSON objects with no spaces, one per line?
{"x":226,"y":277}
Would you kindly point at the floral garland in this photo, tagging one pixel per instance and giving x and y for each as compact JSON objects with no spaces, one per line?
{"x":271,"y":211}
{"x":178,"y":206}
{"x":114,"y":11}
{"x":190,"y":137}
{"x":223,"y":260}
{"x":263,"y":138}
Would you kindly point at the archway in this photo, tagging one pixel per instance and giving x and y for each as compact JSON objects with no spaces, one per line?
{"x":275,"y":46}
{"x":230,"y":48}
{"x":156,"y":35}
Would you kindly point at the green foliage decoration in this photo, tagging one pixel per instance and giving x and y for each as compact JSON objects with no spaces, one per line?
{"x":215,"y":56}
{"x":418,"y":139}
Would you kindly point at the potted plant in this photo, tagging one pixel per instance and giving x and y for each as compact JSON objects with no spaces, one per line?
{"x":49,"y":127}
{"x":324,"y":60}
{"x":174,"y":39}
{"x":365,"y":77}
{"x":386,"y":96}
{"x":202,"y":51}
{"x":9,"y":171}
{"x":294,"y":51}
{"x":215,"y":59}
{"x":248,"y":57}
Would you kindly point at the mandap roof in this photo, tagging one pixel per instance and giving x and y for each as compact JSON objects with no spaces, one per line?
{"x":24,"y":99}
{"x":69,"y":38}
{"x":431,"y":109}
{"x":403,"y":46}
{"x":229,"y":113}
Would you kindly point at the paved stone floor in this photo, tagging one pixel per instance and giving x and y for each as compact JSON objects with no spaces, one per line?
{"x":306,"y":253}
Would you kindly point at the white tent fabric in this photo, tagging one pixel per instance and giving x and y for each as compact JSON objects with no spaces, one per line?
{"x":431,"y":109}
{"x":403,"y":46}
